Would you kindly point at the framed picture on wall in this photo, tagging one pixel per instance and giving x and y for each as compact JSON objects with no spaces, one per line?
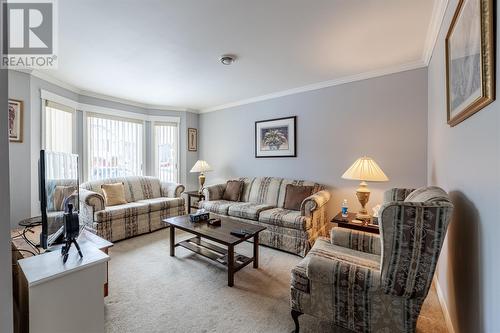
{"x":276,"y":137}
{"x":470,"y":59}
{"x":192,"y":139}
{"x":15,"y":120}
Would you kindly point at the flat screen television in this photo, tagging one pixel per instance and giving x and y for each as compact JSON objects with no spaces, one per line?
{"x":58,"y":184}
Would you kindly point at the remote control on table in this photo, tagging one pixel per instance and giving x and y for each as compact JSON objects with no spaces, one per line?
{"x":240,"y":233}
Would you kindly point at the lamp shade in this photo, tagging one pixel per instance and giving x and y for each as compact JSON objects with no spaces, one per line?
{"x":201,"y":166}
{"x":365,"y":169}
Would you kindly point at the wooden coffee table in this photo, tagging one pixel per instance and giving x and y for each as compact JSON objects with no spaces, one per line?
{"x":218,"y":234}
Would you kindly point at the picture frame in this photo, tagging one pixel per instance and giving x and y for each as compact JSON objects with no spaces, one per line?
{"x":15,"y":114}
{"x":470,"y":60}
{"x":192,"y":139}
{"x":276,"y":137}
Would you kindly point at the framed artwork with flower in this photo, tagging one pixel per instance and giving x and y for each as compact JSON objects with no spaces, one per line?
{"x":276,"y":137}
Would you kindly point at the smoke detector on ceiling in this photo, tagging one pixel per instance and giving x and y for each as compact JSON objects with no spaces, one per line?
{"x":227,"y":59}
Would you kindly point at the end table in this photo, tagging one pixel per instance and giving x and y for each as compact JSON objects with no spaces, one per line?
{"x":346,"y":222}
{"x":193,"y":194}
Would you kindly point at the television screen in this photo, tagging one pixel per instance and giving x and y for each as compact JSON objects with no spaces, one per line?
{"x":58,"y":187}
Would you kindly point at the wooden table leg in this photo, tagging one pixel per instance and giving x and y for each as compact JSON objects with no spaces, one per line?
{"x":189,"y":205}
{"x":256,"y":251}
{"x":230,"y":265}
{"x":172,"y":241}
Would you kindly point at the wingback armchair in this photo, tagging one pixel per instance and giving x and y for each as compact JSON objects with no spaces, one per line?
{"x":369,"y":283}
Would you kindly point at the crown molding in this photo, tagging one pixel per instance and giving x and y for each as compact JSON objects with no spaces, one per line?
{"x":49,"y":78}
{"x":320,"y":85}
{"x":437,"y":18}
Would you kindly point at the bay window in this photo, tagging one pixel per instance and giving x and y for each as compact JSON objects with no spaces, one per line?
{"x":165,"y":141}
{"x":59,"y":129}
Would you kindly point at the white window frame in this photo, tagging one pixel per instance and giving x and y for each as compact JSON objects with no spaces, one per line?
{"x":159,"y":120}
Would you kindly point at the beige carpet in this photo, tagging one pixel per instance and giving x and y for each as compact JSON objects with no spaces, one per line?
{"x":153,"y":292}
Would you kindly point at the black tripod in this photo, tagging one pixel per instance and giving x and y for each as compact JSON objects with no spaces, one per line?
{"x":71,"y":230}
{"x":67,"y":245}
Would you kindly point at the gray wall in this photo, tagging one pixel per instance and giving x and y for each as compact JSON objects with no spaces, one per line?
{"x":24,"y":156}
{"x":5,"y":255}
{"x":465,"y":160}
{"x":385,"y":118}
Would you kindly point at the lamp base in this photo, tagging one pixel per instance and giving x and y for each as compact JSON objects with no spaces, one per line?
{"x":363,"y":195}
{"x":201,"y":178}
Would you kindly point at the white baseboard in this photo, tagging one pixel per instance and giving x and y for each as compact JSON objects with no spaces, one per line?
{"x":444,"y":307}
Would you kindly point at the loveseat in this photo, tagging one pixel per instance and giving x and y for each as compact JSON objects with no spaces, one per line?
{"x":149,"y":201}
{"x":262,"y":202}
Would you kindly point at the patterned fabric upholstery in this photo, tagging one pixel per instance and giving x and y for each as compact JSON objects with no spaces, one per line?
{"x":162,"y":203}
{"x":354,"y":290}
{"x":291,"y":231}
{"x":248,"y":210}
{"x":356,"y":240}
{"x":146,"y":208}
{"x":285,"y":218}
{"x":220,"y":207}
{"x":397,"y":194}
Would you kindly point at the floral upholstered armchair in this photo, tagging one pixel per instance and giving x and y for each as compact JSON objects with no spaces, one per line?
{"x":369,"y":283}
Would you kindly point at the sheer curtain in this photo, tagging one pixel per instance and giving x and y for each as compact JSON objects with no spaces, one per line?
{"x":59,"y":123}
{"x":114,"y":146}
{"x":166,"y":145}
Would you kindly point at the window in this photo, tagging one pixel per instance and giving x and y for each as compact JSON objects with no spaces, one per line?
{"x":166,"y":143}
{"x":114,"y":146}
{"x":59,"y":131}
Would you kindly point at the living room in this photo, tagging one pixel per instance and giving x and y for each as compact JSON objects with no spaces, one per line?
{"x":269,"y":166}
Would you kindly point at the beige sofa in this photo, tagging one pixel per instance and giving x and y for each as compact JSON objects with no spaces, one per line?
{"x":262,"y":203}
{"x":149,"y":201}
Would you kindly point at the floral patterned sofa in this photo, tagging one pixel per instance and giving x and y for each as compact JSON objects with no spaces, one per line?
{"x":149,"y":201}
{"x":262,"y":202}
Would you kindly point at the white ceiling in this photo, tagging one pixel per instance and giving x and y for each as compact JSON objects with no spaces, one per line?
{"x":166,"y":52}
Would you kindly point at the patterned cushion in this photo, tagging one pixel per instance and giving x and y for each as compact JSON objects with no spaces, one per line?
{"x":285,"y":218}
{"x":217,"y":206}
{"x":121,"y":211}
{"x":162,"y":203}
{"x":299,"y":277}
{"x":265,"y":190}
{"x":248,"y":210}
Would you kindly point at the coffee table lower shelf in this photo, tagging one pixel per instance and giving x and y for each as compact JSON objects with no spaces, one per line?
{"x":214,"y":252}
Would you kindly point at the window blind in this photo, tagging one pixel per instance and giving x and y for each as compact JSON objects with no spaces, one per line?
{"x":166,"y":143}
{"x":59,"y":122}
{"x":114,"y":146}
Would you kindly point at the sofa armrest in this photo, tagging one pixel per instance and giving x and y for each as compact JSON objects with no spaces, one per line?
{"x":171,"y":190}
{"x":328,"y":268}
{"x":356,"y":240}
{"x":397,"y":194}
{"x":92,"y":199}
{"x":214,"y":192}
{"x":314,"y":202}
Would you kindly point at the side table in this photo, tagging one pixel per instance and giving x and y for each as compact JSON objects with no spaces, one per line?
{"x":346,"y":222}
{"x":190,"y":203}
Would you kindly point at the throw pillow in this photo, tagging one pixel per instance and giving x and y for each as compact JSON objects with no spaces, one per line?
{"x":427,"y":194}
{"x":233,"y":190}
{"x":114,"y":194}
{"x":295,"y":194}
{"x":61,"y":193}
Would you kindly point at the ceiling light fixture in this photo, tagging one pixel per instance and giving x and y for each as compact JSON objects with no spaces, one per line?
{"x":227,"y":59}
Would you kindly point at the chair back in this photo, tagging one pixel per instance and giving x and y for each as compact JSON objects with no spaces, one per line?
{"x":412,"y":233}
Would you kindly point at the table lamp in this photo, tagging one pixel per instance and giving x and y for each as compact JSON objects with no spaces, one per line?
{"x":201,"y":167}
{"x":364,"y":169}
